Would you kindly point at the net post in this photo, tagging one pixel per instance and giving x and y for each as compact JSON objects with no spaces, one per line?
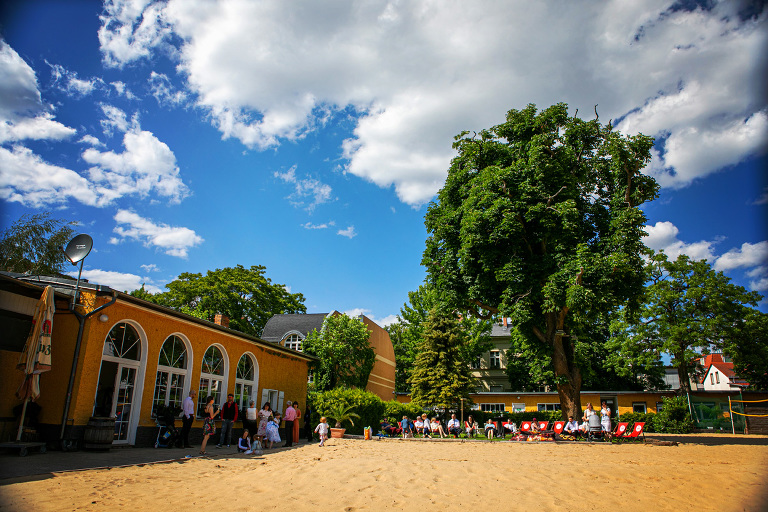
{"x":730,"y":412}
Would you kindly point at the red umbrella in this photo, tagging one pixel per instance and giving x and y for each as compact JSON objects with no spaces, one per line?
{"x":36,"y":357}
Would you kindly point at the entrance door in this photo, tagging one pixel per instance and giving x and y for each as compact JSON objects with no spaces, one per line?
{"x":123,"y":402}
{"x":612,"y":404}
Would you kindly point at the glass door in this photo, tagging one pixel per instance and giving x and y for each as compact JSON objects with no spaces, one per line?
{"x":126,"y":381}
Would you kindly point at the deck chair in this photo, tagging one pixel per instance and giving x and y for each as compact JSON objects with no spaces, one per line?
{"x":621,"y":429}
{"x":558,"y":428}
{"x":543,"y":426}
{"x":595,"y":430}
{"x":637,"y":430}
{"x":524,"y":432}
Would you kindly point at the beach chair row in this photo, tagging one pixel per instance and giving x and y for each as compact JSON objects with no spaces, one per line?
{"x":543,"y":431}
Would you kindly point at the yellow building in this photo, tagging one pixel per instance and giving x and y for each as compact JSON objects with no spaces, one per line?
{"x":134,"y":357}
{"x":291,"y":331}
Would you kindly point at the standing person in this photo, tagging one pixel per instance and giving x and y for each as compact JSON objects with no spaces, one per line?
{"x":289,"y":418}
{"x":209,"y":423}
{"x":605,"y":417}
{"x":187,"y":417}
{"x":322,"y":430}
{"x":427,"y":429}
{"x":296,"y":422}
{"x":589,"y":411}
{"x":265,"y":413}
{"x":454,"y":426}
{"x":273,"y":434}
{"x":228,"y":418}
{"x":308,"y":423}
{"x":251,"y":418}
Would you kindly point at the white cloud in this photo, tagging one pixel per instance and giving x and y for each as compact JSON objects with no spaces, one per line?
{"x":349,"y":232}
{"x":19,"y":94}
{"x":42,"y":127}
{"x":381,"y":322}
{"x":91,"y":141}
{"x":164,"y":91}
{"x":122,"y":90}
{"x":749,"y":255}
{"x":68,"y":81}
{"x":313,"y":189}
{"x":663,"y":237}
{"x":325,"y":225}
{"x":174,"y":241}
{"x":418,"y":73}
{"x":118,"y":280}
{"x":114,"y":119}
{"x":759,"y":280}
{"x":150,"y":268}
{"x":146,"y":165}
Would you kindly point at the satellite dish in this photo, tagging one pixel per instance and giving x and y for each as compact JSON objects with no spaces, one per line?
{"x":78,"y":248}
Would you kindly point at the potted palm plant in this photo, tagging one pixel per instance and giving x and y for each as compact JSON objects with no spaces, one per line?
{"x":341,"y":413}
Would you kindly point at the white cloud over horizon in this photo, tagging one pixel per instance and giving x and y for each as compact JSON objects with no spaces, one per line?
{"x":172,"y":240}
{"x":413,"y":72}
{"x":123,"y":282}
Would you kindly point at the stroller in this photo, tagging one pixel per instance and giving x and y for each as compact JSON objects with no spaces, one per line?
{"x":167,"y":433}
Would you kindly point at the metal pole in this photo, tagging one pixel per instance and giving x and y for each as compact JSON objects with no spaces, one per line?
{"x":730,"y":411}
{"x":21,"y":422}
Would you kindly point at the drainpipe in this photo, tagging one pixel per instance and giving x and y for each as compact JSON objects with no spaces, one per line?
{"x":81,"y":320}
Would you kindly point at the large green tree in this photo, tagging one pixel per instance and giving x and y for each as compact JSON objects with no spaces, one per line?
{"x":345,"y":354}
{"x":406,"y":334}
{"x":688,"y":308}
{"x":245,"y":295}
{"x":33,"y":244}
{"x":441,"y":376}
{"x":748,"y":347}
{"x":539,"y":221}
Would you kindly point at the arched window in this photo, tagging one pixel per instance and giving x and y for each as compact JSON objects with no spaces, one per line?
{"x":293,"y":341}
{"x":245,"y":378}
{"x":211,"y":378}
{"x":123,"y":341}
{"x":171,"y":374}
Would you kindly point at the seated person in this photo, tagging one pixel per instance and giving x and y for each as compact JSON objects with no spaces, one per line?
{"x":509,"y":427}
{"x":470,"y":427}
{"x":490,"y":429}
{"x":388,"y":428}
{"x":535,"y":426}
{"x":572,"y":427}
{"x":454,"y":427}
{"x":418,"y":425}
{"x":436,"y":427}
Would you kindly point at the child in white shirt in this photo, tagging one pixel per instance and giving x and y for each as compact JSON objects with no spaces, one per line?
{"x":322,"y":429}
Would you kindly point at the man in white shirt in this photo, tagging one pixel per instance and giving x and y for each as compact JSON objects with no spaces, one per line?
{"x":187,"y":417}
{"x":572,"y":427}
{"x":509,"y":427}
{"x":454,"y":427}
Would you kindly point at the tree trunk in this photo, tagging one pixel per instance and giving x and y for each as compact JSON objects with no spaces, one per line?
{"x":567,"y":373}
{"x":682,"y":374}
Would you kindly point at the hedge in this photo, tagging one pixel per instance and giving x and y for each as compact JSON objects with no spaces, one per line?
{"x":368,"y":406}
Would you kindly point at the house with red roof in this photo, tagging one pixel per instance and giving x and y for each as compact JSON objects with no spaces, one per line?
{"x":719,"y":374}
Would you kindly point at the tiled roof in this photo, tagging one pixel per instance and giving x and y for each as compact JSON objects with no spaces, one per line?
{"x":279,"y":325}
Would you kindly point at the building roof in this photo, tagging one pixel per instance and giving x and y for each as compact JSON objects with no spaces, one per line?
{"x":727,"y":370}
{"x":279,"y":325}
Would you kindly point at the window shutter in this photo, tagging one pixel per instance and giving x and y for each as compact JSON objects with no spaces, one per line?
{"x":280,"y":396}
{"x":264,"y":398}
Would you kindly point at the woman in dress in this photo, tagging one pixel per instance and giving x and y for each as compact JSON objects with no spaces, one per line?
{"x":605,"y":417}
{"x":272,"y":432}
{"x":209,"y":423}
{"x":296,"y":423}
{"x":264,"y":414}
{"x":589,"y":411}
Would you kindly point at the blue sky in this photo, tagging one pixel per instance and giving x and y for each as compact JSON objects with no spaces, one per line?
{"x":308,"y":137}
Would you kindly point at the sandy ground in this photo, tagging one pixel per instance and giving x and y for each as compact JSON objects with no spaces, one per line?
{"x":348,"y":474}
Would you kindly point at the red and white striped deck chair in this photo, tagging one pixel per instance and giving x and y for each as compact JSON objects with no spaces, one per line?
{"x":558,"y":428}
{"x":543,"y":426}
{"x":525,"y":431}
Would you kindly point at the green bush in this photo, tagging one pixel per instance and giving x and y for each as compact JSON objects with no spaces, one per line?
{"x":368,"y":406}
{"x":674,"y":418}
{"x":394,"y":411}
{"x":649,"y":418}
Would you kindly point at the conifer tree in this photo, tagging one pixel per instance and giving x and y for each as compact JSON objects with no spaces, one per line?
{"x":441,"y":375}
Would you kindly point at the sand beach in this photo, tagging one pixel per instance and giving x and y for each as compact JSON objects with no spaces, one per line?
{"x":707,"y":472}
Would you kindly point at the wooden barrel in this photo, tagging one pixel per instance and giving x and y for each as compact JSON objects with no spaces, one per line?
{"x":99,"y":433}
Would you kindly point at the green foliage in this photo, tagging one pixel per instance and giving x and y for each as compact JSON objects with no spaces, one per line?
{"x":32,"y":245}
{"x":245,"y":295}
{"x":687,"y":309}
{"x":747,"y":346}
{"x":366,"y":406}
{"x":408,"y":332}
{"x":441,"y":375}
{"x":649,"y":418}
{"x":539,"y":221}
{"x":394,"y":410}
{"x":675,"y":417}
{"x":345,"y":354}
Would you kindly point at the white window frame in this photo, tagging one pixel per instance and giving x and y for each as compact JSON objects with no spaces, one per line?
{"x":495,"y":355}
{"x":493,"y":407}
{"x":518,"y":408}
{"x":293,"y":340}
{"x":550,"y":407}
{"x":242,"y":383}
{"x":638,"y":404}
{"x":172,"y":372}
{"x":214,"y":384}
